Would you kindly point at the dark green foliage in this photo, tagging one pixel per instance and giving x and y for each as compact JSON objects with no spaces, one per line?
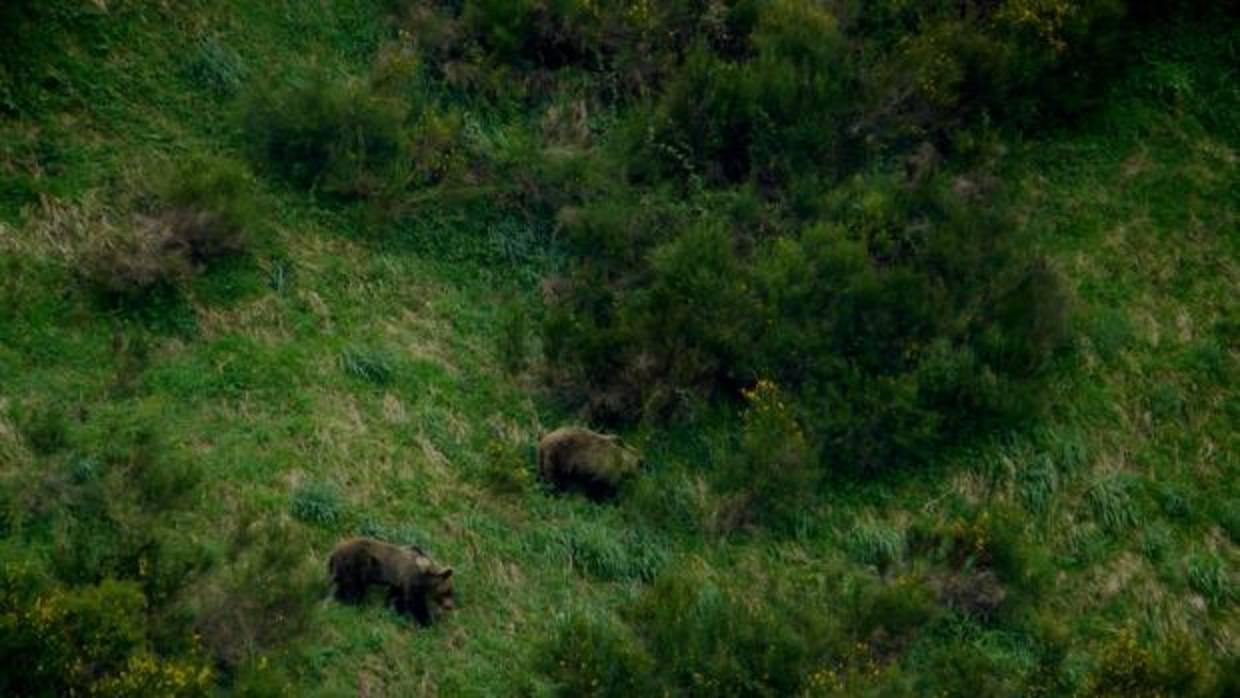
{"x":769,"y":117}
{"x":321,"y":131}
{"x":1129,"y":668}
{"x":98,"y":610}
{"x":890,"y":615}
{"x":595,"y":656}
{"x":90,"y":639}
{"x":913,"y":321}
{"x":775,"y":469}
{"x":44,"y":428}
{"x":264,"y":597}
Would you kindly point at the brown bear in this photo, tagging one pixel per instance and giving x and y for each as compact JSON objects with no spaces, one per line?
{"x":415,"y":583}
{"x":572,"y":459}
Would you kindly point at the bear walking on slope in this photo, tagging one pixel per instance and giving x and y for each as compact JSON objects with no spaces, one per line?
{"x":415,"y":583}
{"x":572,"y":459}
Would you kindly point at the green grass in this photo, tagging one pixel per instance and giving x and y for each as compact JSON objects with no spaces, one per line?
{"x":350,"y":379}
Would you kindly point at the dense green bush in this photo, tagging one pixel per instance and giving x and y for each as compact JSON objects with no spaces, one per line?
{"x":88,"y":640}
{"x":724,"y":243}
{"x":1175,"y":667}
{"x":596,"y":656}
{"x":327,"y":133}
{"x":912,"y":320}
{"x":775,"y":469}
{"x":264,"y":596}
{"x":92,"y":571}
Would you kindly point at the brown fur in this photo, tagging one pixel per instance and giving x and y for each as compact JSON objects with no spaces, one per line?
{"x":572,"y":459}
{"x":415,"y":583}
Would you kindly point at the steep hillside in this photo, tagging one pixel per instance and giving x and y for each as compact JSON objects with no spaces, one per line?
{"x":937,"y":394}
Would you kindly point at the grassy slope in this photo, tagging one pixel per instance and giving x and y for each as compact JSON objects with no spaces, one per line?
{"x":1127,"y":485}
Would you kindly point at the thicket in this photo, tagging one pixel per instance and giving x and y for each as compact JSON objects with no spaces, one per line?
{"x":101,"y":590}
{"x":793,"y":192}
{"x":790,"y":192}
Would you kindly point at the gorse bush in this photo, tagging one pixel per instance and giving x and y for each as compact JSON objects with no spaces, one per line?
{"x":91,"y":639}
{"x":98,"y":610}
{"x":775,"y":469}
{"x":593,"y":656}
{"x":1177,"y":667}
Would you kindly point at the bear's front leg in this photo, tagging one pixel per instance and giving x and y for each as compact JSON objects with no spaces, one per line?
{"x":349,"y":591}
{"x":414,"y":603}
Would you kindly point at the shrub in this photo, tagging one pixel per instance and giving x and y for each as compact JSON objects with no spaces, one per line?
{"x":708,"y":641}
{"x":104,"y":512}
{"x":888,"y":617}
{"x":196,"y":215}
{"x":891,"y":338}
{"x":90,"y":639}
{"x":591,"y":655}
{"x":991,"y":570}
{"x":775,"y":468}
{"x":507,"y":471}
{"x":264,"y":598}
{"x":134,"y":260}
{"x":767,"y":117}
{"x":1177,"y":667}
{"x":325,"y":133}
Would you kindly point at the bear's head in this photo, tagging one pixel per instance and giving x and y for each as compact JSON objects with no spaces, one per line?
{"x":440,"y":589}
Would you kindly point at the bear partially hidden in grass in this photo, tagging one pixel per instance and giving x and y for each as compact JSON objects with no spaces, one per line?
{"x":572,"y":459}
{"x":415,"y":583}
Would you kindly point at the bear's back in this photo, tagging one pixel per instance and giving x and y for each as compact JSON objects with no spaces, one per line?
{"x":575,"y":451}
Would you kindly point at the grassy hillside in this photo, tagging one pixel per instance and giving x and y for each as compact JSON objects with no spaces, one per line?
{"x":177,"y":459}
